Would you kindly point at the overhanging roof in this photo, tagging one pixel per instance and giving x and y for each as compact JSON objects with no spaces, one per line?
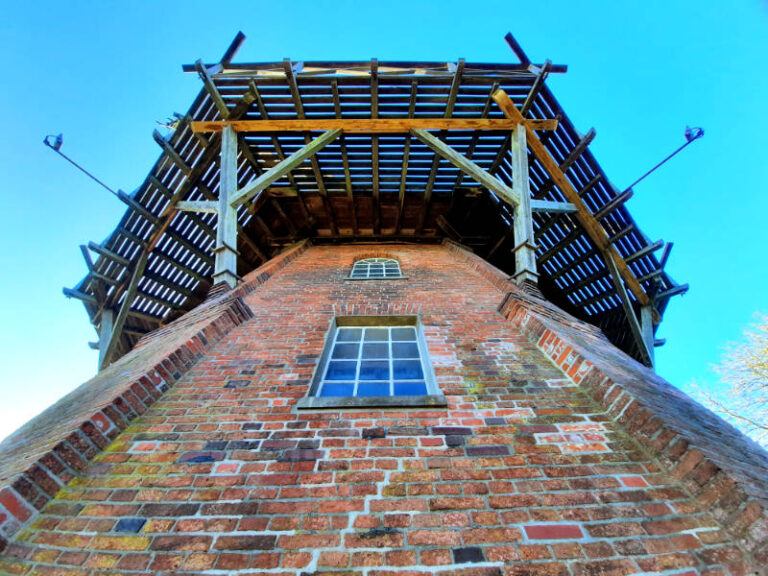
{"x":367,"y":187}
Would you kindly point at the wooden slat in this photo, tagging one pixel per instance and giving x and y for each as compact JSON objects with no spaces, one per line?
{"x":371,"y":125}
{"x":593,"y":228}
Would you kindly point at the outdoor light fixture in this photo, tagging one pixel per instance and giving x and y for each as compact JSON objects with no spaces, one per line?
{"x":691,"y":135}
{"x":54,"y":142}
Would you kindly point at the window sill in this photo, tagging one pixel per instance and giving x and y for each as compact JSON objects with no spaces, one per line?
{"x":349,"y":278}
{"x":427,"y":400}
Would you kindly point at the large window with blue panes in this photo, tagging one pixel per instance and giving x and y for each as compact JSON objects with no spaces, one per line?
{"x":375,"y":357}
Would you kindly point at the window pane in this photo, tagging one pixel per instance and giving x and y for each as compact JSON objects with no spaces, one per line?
{"x":346,"y":351}
{"x":344,"y":370}
{"x":403,"y":333}
{"x":381,"y":334}
{"x":337,"y":389}
{"x":410,"y":388}
{"x":405,"y":350}
{"x":376,"y":350}
{"x":407,"y":370}
{"x":373,"y":389}
{"x":349,"y":335}
{"x":374,"y":370}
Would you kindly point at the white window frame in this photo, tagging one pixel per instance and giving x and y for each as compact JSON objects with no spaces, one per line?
{"x":365,"y":264}
{"x":433,"y":396}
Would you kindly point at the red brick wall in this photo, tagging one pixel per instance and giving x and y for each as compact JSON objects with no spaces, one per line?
{"x":524,"y":473}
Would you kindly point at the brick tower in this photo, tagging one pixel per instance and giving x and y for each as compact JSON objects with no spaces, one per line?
{"x":338,"y":334}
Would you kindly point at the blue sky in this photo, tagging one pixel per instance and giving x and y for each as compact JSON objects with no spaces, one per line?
{"x":639,"y":72}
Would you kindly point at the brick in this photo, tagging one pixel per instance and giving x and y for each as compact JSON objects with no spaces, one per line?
{"x":468,"y":554}
{"x":246,"y":542}
{"x":521,"y":468}
{"x":553,"y":531}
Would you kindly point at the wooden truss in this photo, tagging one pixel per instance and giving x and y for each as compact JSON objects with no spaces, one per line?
{"x":255,"y":165}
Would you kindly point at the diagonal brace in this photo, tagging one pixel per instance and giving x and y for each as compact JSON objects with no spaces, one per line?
{"x":467,"y":166}
{"x":282,"y":168}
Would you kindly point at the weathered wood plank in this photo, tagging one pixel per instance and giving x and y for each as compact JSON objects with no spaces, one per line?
{"x":553,"y":207}
{"x":626,"y":303}
{"x":467,"y":166}
{"x":281,"y":168}
{"x":525,"y":252}
{"x":198,"y":206}
{"x":125,"y":307}
{"x":371,"y":125}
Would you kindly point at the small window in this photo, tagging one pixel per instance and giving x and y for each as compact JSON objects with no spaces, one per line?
{"x":373,"y":268}
{"x":374,"y":361}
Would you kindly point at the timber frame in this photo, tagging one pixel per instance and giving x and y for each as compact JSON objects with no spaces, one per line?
{"x":272,"y":153}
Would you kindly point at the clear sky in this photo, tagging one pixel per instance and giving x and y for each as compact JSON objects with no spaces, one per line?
{"x":639,"y":72}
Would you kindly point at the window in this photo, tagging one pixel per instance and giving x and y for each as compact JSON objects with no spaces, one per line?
{"x":374,"y":361}
{"x":372,"y":268}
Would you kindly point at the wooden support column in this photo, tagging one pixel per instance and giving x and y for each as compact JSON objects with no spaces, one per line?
{"x":105,"y":332}
{"x":225,"y":266}
{"x":107,"y":352}
{"x":646,"y":324}
{"x":525,"y":250}
{"x":626,"y":303}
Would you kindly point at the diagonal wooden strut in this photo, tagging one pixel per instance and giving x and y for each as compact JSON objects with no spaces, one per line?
{"x":250,"y":190}
{"x":467,"y":166}
{"x":590,"y":224}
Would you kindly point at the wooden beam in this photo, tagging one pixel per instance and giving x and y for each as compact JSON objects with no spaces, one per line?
{"x":593,"y":228}
{"x":125,"y":307}
{"x":613,"y":204}
{"x":517,"y":49}
{"x":404,"y":167}
{"x":467,"y":166}
{"x":296,"y":97}
{"x":536,"y":88}
{"x":525,"y":251}
{"x":578,"y":150}
{"x":210,"y":87}
{"x":345,"y":158}
{"x":82,"y":296}
{"x":652,"y":247}
{"x":281,"y":168}
{"x":553,"y":207}
{"x":371,"y":125}
{"x":170,"y":151}
{"x":107,"y":253}
{"x":105,"y":332}
{"x":679,"y":289}
{"x":198,"y":206}
{"x":629,"y":312}
{"x":225,"y":267}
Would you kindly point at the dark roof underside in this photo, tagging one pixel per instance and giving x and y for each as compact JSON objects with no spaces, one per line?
{"x":369,"y":188}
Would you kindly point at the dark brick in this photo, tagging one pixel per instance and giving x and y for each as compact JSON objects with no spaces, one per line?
{"x":487,"y":450}
{"x":468,"y":554}
{"x":452,"y":431}
{"x":130,"y":524}
{"x":257,"y":542}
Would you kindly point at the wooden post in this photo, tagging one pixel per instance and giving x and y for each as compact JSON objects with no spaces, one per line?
{"x":225,"y":267}
{"x":105,"y":332}
{"x":525,"y":251}
{"x":646,"y":324}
